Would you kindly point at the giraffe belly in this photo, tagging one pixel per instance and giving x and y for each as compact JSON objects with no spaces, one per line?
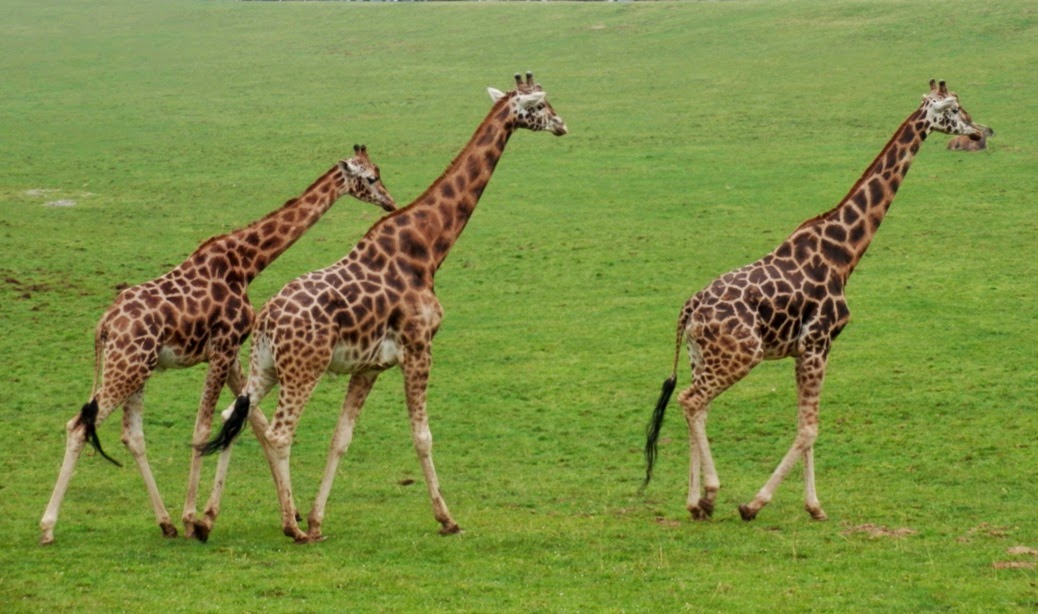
{"x":348,"y":358}
{"x":172,"y":358}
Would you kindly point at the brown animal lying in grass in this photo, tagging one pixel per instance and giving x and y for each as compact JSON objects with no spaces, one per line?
{"x":963,"y":143}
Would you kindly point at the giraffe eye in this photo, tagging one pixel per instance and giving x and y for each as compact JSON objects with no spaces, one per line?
{"x":372,"y":180}
{"x":955,"y":111}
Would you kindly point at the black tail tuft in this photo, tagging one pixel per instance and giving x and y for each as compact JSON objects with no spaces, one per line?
{"x":88,"y":418}
{"x":230,"y":429}
{"x":652,"y":432}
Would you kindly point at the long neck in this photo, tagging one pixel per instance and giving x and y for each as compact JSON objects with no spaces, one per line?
{"x":428,"y":228}
{"x":847,"y":230}
{"x":261,"y":242}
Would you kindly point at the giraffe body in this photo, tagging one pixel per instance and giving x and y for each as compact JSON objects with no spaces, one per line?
{"x":790,"y":304}
{"x":198,"y":312}
{"x":373,"y":310}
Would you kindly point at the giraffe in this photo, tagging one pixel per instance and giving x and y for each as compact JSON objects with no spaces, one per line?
{"x":372,"y":310}
{"x":197,"y":312}
{"x":790,"y":303}
{"x":965,"y":143}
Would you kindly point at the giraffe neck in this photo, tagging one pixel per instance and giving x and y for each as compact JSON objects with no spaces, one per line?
{"x":257,"y":245}
{"x":438,"y":216}
{"x":848,"y":229}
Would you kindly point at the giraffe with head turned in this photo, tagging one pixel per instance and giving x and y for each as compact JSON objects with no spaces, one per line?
{"x":372,"y":310}
{"x":197,"y":312}
{"x":790,"y":303}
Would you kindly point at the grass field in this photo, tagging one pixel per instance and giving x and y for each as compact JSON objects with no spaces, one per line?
{"x":700,"y":135}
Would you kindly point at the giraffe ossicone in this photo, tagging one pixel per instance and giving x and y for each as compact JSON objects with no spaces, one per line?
{"x":198,"y":312}
{"x":790,"y":303}
{"x":370,"y":311}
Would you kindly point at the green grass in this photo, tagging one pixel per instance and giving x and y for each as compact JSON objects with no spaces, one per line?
{"x":701,"y":134}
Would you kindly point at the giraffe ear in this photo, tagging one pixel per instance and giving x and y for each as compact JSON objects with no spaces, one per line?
{"x":495,"y":95}
{"x":943,"y":104}
{"x":529,"y":100}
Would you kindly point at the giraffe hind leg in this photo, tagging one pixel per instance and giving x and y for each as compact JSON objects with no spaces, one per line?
{"x":75,"y":441}
{"x":133,"y":437}
{"x":78,"y":431}
{"x":703,"y":481}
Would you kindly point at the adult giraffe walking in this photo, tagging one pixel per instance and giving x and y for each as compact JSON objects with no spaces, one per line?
{"x":790,"y":303}
{"x":197,"y":312}
{"x":372,"y":310}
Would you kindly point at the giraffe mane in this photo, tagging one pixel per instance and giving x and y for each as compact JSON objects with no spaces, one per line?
{"x":495,"y":109}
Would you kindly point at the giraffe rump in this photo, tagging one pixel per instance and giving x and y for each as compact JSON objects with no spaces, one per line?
{"x":652,"y":431}
{"x":88,"y":420}
{"x":231,"y":427}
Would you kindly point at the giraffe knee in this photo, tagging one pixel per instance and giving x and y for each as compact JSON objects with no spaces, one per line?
{"x":692,"y":403}
{"x":807,"y":436}
{"x":134,"y":442}
{"x":423,"y":441}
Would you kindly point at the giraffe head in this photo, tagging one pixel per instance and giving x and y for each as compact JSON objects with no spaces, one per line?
{"x":362,"y":180}
{"x":529,"y":105}
{"x":945,"y":114}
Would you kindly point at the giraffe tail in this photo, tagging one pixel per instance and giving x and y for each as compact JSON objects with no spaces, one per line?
{"x":88,"y":420}
{"x":652,"y":431}
{"x":231,"y":427}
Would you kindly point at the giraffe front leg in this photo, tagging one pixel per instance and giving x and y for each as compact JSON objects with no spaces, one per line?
{"x":216,"y":377}
{"x":133,"y":437}
{"x":416,"y":378}
{"x":810,"y":372}
{"x":811,"y":504}
{"x":359,"y":387}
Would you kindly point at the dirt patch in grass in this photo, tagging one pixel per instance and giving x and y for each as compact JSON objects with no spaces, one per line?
{"x":1018,"y":564}
{"x":984,"y":530}
{"x":876,"y":531}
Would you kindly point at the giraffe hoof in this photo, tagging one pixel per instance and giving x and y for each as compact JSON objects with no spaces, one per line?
{"x":296,"y":534}
{"x":706,"y":509}
{"x":816,"y":513}
{"x":747,"y":513}
{"x":168,"y":530}
{"x":46,"y":540}
{"x":450,"y":529}
{"x":702,"y":510}
{"x":201,"y":532}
